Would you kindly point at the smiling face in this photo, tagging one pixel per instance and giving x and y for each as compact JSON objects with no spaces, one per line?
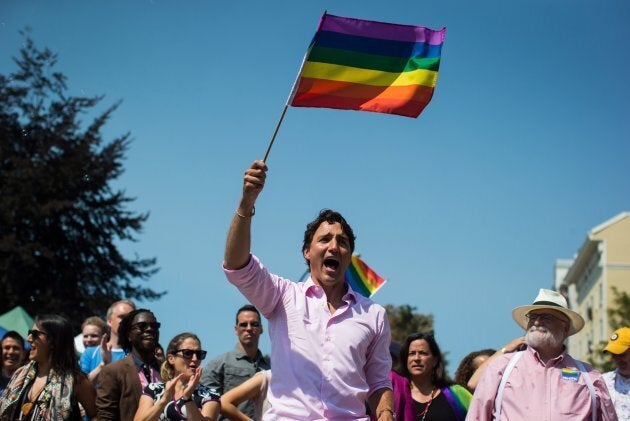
{"x":91,"y":335}
{"x":12,"y":355}
{"x":40,"y":345}
{"x":144,"y":334}
{"x":329,"y":255}
{"x":420,"y":362}
{"x":183,"y":365}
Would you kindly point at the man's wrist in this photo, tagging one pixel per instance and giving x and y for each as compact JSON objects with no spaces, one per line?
{"x":386,"y":410}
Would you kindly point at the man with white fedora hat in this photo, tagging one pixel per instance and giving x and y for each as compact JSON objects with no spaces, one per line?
{"x":543,"y":382}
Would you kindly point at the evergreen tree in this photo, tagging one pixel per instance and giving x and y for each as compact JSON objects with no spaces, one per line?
{"x":59,"y":215}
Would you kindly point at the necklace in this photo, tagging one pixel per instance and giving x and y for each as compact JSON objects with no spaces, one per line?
{"x":27,"y":407}
{"x":423,"y":414}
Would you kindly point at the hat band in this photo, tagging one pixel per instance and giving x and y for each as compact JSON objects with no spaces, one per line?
{"x":547,"y":303}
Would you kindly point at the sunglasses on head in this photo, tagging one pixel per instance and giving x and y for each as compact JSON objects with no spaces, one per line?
{"x":146,"y":325}
{"x":188,"y":353}
{"x":35,"y":333}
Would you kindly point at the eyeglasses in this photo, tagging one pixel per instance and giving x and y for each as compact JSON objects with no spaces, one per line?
{"x":142,"y":326}
{"x":188,"y":353}
{"x":544,"y":318}
{"x":252,"y":324}
{"x":35,"y":333}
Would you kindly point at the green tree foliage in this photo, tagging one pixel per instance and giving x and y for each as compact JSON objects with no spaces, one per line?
{"x":60,"y":218}
{"x":618,"y":316}
{"x":405,"y":320}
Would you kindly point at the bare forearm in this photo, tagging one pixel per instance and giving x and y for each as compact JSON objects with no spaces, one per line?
{"x":382,"y":404}
{"x":238,"y":243}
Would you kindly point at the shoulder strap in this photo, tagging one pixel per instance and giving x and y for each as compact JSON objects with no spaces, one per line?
{"x":591,"y":389}
{"x":504,"y":379}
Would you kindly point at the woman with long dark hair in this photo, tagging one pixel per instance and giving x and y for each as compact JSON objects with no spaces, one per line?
{"x":51,"y":386}
{"x":421,"y":389}
{"x":181,"y":397}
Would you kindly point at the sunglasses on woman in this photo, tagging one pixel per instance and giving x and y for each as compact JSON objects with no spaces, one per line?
{"x":35,"y":333}
{"x":188,"y":353}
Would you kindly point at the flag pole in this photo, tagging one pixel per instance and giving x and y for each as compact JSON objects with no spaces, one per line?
{"x":291,"y":95}
{"x":275,"y":132}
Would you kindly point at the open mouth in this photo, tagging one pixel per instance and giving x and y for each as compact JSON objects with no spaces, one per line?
{"x":331,"y":263}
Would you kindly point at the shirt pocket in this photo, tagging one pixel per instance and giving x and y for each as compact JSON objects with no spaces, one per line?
{"x":233,"y":376}
{"x":573,"y":398}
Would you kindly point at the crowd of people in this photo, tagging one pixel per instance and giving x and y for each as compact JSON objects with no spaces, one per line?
{"x":331,"y":355}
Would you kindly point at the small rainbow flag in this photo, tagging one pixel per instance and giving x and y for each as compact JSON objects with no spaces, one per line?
{"x":355,"y":64}
{"x":362,"y":278}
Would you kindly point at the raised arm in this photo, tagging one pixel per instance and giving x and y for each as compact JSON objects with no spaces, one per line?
{"x":237,"y":246}
{"x":517,"y":344}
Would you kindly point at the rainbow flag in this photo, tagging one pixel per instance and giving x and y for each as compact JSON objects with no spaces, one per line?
{"x":355,"y":64}
{"x":362,"y":279}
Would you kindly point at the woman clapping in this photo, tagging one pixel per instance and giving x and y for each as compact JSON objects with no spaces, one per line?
{"x":181,"y":397}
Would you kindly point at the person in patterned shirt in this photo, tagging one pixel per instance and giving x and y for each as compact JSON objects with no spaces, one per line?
{"x":181,"y":395}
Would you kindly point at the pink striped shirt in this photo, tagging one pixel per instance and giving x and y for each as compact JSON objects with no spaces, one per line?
{"x":539,"y":391}
{"x":324,"y":366}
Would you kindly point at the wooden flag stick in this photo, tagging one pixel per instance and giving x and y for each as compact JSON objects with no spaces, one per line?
{"x":275,"y":132}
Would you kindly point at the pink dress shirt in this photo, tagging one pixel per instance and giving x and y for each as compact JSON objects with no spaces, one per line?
{"x":539,"y":391}
{"x":324,"y":366}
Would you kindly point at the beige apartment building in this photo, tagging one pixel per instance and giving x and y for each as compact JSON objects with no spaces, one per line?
{"x":603,"y":262}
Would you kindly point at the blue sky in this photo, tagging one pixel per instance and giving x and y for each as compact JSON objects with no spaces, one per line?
{"x":524,"y":147}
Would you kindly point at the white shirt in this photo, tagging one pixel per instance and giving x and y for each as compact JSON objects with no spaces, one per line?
{"x":619,"y":389}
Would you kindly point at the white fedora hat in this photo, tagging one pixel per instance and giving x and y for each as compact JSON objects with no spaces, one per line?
{"x":552,"y":300}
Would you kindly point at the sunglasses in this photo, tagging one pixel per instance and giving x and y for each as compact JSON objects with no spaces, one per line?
{"x":252,"y":324}
{"x":188,"y":353}
{"x":142,"y":326}
{"x":544,"y":318}
{"x":35,"y":333}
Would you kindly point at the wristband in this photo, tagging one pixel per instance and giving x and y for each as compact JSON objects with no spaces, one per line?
{"x":244,"y":216}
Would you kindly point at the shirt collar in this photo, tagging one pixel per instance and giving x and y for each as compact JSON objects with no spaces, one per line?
{"x":312,"y":289}
{"x":240,"y":355}
{"x":552,"y":361}
{"x":139,"y":363}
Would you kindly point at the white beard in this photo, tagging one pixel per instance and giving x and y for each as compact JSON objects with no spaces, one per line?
{"x":542,"y":338}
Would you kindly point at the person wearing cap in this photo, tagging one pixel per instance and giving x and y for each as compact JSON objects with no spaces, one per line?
{"x":543,"y":382}
{"x":618,"y":381}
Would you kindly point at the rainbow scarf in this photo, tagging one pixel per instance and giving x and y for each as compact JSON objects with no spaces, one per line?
{"x":355,"y":64}
{"x":362,"y":278}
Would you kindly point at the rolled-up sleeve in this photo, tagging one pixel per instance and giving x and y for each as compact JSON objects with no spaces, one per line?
{"x":260,"y":287}
{"x":379,"y":360}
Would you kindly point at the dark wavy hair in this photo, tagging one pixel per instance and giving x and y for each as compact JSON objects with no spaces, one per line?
{"x":167,"y":371}
{"x":438,"y":377}
{"x":330,"y":216}
{"x":466,"y":370}
{"x":125,"y":327}
{"x":58,"y":329}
